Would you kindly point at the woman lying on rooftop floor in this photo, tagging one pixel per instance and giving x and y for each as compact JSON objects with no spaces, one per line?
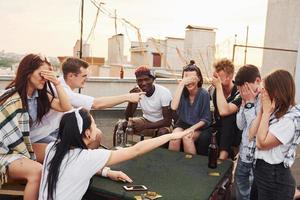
{"x":69,"y":165}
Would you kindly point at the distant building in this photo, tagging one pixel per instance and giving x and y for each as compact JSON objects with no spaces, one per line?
{"x":85,"y":49}
{"x":116,"y":50}
{"x":173,"y":53}
{"x":282,"y":31}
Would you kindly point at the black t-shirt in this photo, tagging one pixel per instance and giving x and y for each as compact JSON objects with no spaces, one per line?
{"x":234,"y":98}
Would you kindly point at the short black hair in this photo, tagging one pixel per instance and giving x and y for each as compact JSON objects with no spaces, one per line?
{"x":247,"y":73}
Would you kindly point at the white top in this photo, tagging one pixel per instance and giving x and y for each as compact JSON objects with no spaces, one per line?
{"x":152,"y":106}
{"x":50,"y":122}
{"x":76,"y":170}
{"x":284,"y":131}
{"x":77,"y":99}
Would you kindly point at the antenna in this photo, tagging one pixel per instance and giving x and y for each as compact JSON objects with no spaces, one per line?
{"x":81,"y":28}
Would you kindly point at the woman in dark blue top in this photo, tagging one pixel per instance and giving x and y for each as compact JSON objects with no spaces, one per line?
{"x":192,"y":104}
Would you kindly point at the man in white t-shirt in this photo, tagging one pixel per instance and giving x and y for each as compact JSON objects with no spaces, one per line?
{"x":74,"y":77}
{"x":155,"y":105}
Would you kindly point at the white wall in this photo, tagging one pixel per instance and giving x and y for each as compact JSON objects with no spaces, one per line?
{"x":172,"y":56}
{"x":96,"y":86}
{"x":85,"y":49}
{"x":282,"y":31}
{"x":115,"y":49}
{"x":199,"y":45}
{"x":297,"y":76}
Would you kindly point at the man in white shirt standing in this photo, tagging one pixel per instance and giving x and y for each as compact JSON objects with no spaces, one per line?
{"x":155,"y":105}
{"x":74,"y":77}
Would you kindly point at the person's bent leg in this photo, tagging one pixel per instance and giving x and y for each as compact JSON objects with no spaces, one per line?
{"x":29,"y":170}
{"x":189,"y":143}
{"x":202,"y":143}
{"x":163,"y":131}
{"x":174,"y":145}
{"x":227,"y":134}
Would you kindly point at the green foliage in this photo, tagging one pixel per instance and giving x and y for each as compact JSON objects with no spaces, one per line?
{"x":7,"y":62}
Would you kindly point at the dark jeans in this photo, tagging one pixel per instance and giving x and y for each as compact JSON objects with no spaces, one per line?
{"x":274,"y":182}
{"x":228,"y":134}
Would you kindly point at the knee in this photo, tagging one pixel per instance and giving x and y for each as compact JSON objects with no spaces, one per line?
{"x":187,"y":140}
{"x":174,"y":143}
{"x":34,"y":175}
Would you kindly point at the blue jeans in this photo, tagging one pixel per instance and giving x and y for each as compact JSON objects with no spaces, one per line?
{"x":243,"y":179}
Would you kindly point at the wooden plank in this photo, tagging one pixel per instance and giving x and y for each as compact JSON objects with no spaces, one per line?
{"x":12,"y":189}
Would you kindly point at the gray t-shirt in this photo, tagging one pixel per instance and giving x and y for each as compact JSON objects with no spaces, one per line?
{"x":197,"y":111}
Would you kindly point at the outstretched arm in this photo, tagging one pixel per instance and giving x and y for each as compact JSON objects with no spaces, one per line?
{"x":142,"y":147}
{"x":108,"y":102}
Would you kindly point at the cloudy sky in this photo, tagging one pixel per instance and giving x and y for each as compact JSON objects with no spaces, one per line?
{"x":52,"y":27}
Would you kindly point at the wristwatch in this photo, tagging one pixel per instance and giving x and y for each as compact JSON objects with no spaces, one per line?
{"x":249,"y":105}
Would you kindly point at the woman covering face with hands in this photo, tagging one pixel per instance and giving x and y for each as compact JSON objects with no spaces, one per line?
{"x":277,"y":136}
{"x":24,"y":103}
{"x":191,"y":102}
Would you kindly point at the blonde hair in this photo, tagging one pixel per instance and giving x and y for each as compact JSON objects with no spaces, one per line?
{"x":224,"y":64}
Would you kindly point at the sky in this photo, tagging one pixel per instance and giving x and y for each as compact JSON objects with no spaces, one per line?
{"x":52,"y":27}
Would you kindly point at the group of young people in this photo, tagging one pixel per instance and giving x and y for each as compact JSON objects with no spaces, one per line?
{"x":49,"y":138}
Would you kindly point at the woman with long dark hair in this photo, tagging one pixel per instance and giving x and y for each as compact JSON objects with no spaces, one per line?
{"x":25,"y":102}
{"x":191,"y":102}
{"x":277,"y":129}
{"x":69,"y":164}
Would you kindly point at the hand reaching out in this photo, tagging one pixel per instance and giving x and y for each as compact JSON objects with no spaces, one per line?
{"x":135,"y":97}
{"x":118,"y":176}
{"x":135,"y":90}
{"x":179,"y":135}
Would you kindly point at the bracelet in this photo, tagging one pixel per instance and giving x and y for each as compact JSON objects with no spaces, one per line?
{"x":105,"y":171}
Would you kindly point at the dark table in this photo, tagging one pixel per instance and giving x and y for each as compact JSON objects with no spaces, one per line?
{"x":168,"y":173}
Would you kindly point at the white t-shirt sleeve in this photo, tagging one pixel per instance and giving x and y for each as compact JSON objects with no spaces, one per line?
{"x":80,"y":100}
{"x":166,"y":97}
{"x":95,"y":159}
{"x":283,"y":130}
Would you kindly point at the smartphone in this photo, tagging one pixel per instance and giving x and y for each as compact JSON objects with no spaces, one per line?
{"x":135,"y":187}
